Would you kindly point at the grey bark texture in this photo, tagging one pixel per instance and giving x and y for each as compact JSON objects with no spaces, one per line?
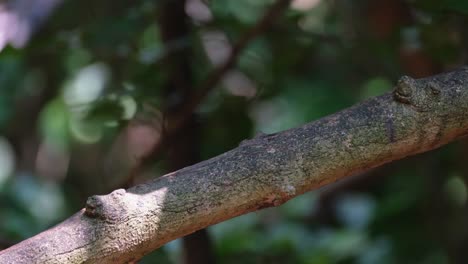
{"x":268,"y":170}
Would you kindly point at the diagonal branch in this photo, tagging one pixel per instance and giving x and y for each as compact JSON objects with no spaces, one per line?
{"x":418,"y":116}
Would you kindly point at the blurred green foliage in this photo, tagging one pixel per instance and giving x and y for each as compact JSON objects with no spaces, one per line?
{"x":94,"y":65}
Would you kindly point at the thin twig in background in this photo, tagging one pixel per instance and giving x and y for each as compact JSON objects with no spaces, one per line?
{"x":215,"y":76}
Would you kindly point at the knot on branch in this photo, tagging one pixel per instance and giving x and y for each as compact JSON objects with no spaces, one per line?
{"x":105,"y":207}
{"x":422,"y":94}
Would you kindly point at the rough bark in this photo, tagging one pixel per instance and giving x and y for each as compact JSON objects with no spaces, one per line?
{"x":419,"y":115}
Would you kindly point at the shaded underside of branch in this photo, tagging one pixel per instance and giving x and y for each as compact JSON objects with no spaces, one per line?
{"x":419,"y":115}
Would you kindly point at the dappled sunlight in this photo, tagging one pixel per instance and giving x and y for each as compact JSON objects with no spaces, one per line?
{"x":314,"y":19}
{"x":88,"y":84}
{"x":217,"y":46}
{"x":304,"y":5}
{"x":239,"y":84}
{"x":456,"y":191}
{"x":198,"y":11}
{"x":355,"y":210}
{"x":86,"y":132}
{"x":86,"y":87}
{"x":132,"y":218}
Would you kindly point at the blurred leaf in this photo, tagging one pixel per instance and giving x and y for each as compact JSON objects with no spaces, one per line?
{"x":376,"y":86}
{"x":459,"y":6}
{"x":226,"y":126}
{"x":151,"y":47}
{"x":53,"y":123}
{"x":11,"y":74}
{"x":104,"y":111}
{"x":256,"y":62}
{"x":355,"y":210}
{"x":76,"y":59}
{"x":456,"y":190}
{"x":245,"y":11}
{"x":86,"y":131}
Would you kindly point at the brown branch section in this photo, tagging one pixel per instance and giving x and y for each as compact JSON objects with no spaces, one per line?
{"x":420,"y":115}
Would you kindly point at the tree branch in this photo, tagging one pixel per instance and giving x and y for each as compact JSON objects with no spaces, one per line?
{"x":419,"y":115}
